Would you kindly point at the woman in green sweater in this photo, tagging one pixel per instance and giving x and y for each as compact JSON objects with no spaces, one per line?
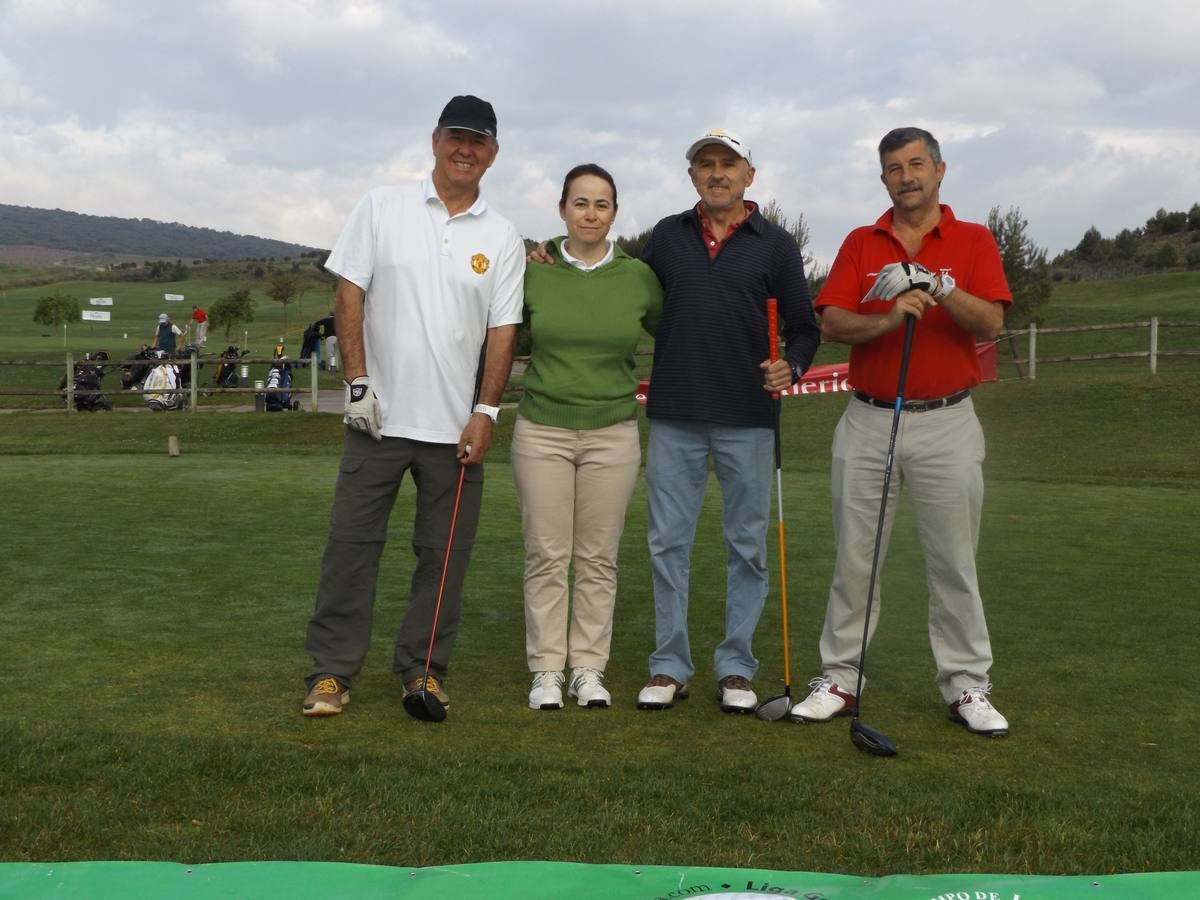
{"x":575,"y":447}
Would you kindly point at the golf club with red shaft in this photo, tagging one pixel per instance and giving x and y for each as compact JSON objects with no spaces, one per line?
{"x":773,"y":709}
{"x":421,"y":703}
{"x":864,"y":737}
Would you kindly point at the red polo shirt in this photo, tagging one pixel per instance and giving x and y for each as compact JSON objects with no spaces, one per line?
{"x":943,"y":359}
{"x":711,"y":241}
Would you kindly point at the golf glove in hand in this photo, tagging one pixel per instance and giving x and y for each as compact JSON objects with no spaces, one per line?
{"x":896,"y":278}
{"x":362,"y":407}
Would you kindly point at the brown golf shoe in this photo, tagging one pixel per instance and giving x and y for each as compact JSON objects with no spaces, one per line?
{"x":431,"y":684}
{"x":326,"y":698}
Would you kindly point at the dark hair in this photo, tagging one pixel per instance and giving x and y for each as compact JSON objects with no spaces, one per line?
{"x":586,"y":169}
{"x":902,"y":137}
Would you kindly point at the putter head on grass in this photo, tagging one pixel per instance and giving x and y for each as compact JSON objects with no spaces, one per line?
{"x":421,"y":704}
{"x":774,"y":708}
{"x":868,"y":740}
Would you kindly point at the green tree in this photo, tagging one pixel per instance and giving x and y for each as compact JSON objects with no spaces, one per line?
{"x":232,"y":310}
{"x":636,"y":244}
{"x":1125,"y":244}
{"x":1164,"y":256}
{"x":1024,"y":265}
{"x":1089,"y":244}
{"x":1193,"y":217}
{"x":56,"y":309}
{"x":801,"y":234}
{"x":283,"y":289}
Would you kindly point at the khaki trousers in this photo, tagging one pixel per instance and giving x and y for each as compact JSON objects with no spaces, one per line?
{"x":939,"y":459}
{"x":574,"y":487}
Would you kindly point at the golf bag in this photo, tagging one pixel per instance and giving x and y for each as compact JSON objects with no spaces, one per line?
{"x":162,"y":378}
{"x":184,"y":365}
{"x":86,"y":376}
{"x":280,"y":376}
{"x":313,"y":335}
{"x":135,"y":369}
{"x":227,"y":371}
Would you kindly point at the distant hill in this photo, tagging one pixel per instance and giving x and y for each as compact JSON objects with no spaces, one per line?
{"x":76,"y":233}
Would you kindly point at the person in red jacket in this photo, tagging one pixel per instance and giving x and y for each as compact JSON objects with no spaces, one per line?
{"x":916,"y":260}
{"x":200,"y":317}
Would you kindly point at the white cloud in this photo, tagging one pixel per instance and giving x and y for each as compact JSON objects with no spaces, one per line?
{"x":273,"y":117}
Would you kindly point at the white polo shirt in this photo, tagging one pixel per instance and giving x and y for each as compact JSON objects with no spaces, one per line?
{"x":434,"y":284}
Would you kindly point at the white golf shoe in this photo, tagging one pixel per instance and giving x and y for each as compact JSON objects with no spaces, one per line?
{"x":736,"y":694}
{"x":827,"y":701}
{"x":661,"y":693}
{"x":975,"y":711}
{"x":546,"y":692}
{"x":587,"y":687}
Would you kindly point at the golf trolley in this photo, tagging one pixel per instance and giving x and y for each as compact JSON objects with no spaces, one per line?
{"x":85,"y":377}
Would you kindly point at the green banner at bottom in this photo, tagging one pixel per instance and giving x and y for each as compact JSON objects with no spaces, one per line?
{"x":552,"y":881}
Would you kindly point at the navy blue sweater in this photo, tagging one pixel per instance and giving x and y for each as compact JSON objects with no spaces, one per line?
{"x":713,"y":331}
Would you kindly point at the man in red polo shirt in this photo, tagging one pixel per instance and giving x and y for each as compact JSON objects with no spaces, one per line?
{"x":917,"y":260}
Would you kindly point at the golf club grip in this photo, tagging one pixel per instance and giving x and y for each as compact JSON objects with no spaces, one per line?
{"x":773,"y":333}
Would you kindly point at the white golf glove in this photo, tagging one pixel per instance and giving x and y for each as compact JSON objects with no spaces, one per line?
{"x":896,"y":278}
{"x":362,"y":407}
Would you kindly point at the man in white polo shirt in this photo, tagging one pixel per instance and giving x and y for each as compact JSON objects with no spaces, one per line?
{"x":428,"y":277}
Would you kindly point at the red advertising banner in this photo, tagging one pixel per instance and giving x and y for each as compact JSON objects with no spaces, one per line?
{"x":831,"y":378}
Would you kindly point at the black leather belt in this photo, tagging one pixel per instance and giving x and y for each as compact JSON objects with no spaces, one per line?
{"x":915,"y":405}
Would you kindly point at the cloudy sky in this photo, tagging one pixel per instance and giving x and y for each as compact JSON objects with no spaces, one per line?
{"x":272,"y":118}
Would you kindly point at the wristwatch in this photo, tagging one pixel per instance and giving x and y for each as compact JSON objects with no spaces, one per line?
{"x":797,"y":372}
{"x":945,"y":285}
{"x":492,"y":412}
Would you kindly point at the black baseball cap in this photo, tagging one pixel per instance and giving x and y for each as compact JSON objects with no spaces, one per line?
{"x":469,"y":112}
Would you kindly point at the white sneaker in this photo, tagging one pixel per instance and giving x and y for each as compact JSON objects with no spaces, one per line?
{"x":587,"y":685}
{"x":827,"y":701}
{"x":975,"y":711}
{"x":546,"y":692}
{"x":736,"y":695}
{"x":661,"y":693}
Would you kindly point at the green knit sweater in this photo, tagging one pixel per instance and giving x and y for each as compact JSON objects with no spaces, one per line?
{"x":585,"y":327}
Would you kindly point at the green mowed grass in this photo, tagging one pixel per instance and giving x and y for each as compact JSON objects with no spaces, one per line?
{"x":157,"y":605}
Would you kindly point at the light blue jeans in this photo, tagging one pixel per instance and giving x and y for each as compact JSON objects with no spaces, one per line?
{"x":676,"y":478}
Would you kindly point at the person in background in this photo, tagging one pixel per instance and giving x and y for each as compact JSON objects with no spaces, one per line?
{"x":575,"y":447}
{"x":200,"y":317}
{"x":165,"y":334}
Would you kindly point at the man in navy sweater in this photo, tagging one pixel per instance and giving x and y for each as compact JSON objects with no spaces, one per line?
{"x":711,"y":396}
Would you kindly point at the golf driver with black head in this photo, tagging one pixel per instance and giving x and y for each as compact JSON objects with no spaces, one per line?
{"x":863,"y":736}
{"x":775,"y":708}
{"x":422,"y":704}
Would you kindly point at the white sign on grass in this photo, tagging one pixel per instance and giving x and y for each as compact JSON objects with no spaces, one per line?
{"x":173,"y":298}
{"x":101,"y":301}
{"x":97,"y":315}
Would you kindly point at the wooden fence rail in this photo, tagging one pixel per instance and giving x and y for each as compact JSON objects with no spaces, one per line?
{"x":193,"y":390}
{"x":1152,"y":353}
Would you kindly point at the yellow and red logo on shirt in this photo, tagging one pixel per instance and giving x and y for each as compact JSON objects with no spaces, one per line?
{"x":480,"y":263}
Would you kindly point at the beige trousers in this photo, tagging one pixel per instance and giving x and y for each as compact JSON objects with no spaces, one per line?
{"x":573,"y":487}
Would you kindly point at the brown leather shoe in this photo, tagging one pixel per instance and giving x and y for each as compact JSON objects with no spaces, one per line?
{"x":326,"y":698}
{"x":431,"y":684}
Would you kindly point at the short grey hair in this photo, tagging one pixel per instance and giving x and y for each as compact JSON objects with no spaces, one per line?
{"x":901,"y":137}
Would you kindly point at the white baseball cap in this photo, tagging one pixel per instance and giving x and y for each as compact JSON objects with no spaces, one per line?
{"x":162,"y":317}
{"x":720,"y":136}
